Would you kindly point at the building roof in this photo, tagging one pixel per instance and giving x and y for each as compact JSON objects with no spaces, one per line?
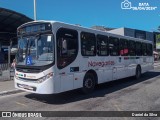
{"x":9,"y":21}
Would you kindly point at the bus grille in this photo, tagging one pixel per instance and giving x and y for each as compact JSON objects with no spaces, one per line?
{"x":26,"y":79}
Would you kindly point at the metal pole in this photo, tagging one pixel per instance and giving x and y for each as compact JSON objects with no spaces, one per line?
{"x":9,"y":55}
{"x":35,"y":14}
{"x":9,"y":62}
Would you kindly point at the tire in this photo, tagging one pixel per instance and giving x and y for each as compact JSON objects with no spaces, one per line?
{"x":88,"y":83}
{"x":138,"y":72}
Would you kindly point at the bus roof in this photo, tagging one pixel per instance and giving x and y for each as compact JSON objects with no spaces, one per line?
{"x":87,"y":29}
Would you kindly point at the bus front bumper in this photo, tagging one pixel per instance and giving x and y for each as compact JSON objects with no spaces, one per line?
{"x":46,"y":87}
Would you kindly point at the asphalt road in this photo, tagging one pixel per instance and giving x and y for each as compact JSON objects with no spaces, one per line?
{"x":126,"y":94}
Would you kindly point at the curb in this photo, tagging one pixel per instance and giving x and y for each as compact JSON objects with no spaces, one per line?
{"x":10,"y":92}
{"x":157,"y":65}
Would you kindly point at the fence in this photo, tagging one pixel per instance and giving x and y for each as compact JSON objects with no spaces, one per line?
{"x":6,"y":72}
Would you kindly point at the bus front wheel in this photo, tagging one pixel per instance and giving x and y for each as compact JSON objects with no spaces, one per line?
{"x":88,"y":83}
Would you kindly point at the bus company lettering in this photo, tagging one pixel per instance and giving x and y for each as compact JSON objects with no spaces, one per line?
{"x":100,"y":64}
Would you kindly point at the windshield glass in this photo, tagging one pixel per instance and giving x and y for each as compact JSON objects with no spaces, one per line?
{"x":35,"y":50}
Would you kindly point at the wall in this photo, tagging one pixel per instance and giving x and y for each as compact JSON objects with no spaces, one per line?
{"x":150,"y":36}
{"x":129,"y":32}
{"x":132,"y":33}
{"x":119,"y":31}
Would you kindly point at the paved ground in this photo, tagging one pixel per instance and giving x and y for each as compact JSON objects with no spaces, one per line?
{"x":6,"y":85}
{"x":156,"y":63}
{"x":122,"y":95}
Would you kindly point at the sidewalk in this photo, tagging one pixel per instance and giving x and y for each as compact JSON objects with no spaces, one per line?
{"x":7,"y":87}
{"x":156,"y":63}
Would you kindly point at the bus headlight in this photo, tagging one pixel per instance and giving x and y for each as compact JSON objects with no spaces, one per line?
{"x":40,"y":80}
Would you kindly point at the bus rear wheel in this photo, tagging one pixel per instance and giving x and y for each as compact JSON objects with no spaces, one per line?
{"x":88,"y":83}
{"x":138,"y":72}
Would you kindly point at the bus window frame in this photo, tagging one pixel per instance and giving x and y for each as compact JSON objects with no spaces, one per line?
{"x":150,"y":53}
{"x":94,"y":40}
{"x":143,"y":49}
{"x":110,"y":38}
{"x":132,"y":48}
{"x":137,"y":50}
{"x":122,"y":40}
{"x":64,"y":59}
{"x":98,"y":45}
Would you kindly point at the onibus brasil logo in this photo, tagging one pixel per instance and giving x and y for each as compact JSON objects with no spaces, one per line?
{"x":126,"y":5}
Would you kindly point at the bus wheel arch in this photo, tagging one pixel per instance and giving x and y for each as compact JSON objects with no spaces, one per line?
{"x":89,"y":82}
{"x":138,"y":71}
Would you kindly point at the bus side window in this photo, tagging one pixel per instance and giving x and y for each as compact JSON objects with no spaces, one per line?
{"x":132,"y":48}
{"x":114,"y":46}
{"x":138,"y":48}
{"x":123,"y":47}
{"x":102,"y":45}
{"x":126,"y":48}
{"x":144,"y":49}
{"x":67,"y":47}
{"x":88,"y":44}
{"x":149,"y":49}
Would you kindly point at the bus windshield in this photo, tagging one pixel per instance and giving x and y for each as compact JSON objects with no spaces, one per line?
{"x":35,"y":50}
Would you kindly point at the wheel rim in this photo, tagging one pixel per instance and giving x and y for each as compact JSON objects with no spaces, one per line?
{"x":88,"y":83}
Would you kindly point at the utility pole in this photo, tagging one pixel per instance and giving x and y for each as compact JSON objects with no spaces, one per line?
{"x":35,"y":14}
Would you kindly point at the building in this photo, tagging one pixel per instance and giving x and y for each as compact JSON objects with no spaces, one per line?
{"x":9,"y":21}
{"x":152,"y":36}
{"x":135,"y":33}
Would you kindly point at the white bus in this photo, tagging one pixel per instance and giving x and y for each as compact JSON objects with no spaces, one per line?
{"x":54,"y":57}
